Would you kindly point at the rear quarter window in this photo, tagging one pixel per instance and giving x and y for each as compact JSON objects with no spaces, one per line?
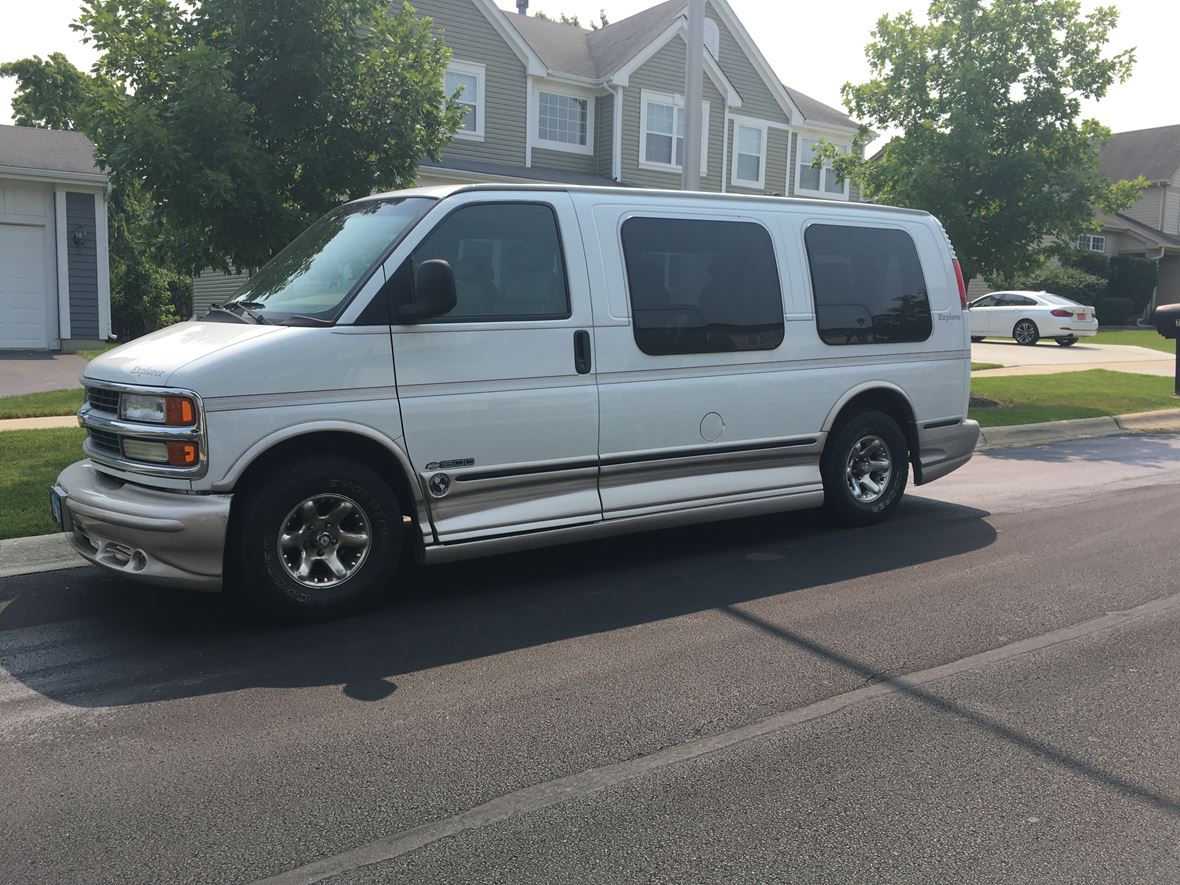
{"x":868,"y":285}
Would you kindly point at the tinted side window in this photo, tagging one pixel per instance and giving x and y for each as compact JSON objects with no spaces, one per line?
{"x":985,"y":301}
{"x":507,"y":260}
{"x":868,"y":285}
{"x":702,"y":286}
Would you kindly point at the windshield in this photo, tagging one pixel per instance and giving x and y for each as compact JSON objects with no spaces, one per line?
{"x":1057,"y":299}
{"x":314,"y":275}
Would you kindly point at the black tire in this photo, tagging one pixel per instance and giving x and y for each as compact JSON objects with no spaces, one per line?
{"x":975,"y":339}
{"x":256,"y":564}
{"x":839,"y":499}
{"x":1067,"y":342}
{"x":1026,"y":332}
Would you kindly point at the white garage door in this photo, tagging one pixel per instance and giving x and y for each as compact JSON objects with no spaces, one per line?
{"x":23,"y":323}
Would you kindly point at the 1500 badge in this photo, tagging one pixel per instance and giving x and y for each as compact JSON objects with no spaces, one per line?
{"x":451,"y":465}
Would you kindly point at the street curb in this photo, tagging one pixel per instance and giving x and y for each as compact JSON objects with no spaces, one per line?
{"x":1019,"y":435}
{"x":48,"y":423}
{"x":39,"y":553}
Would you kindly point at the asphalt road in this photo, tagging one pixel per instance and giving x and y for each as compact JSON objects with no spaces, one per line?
{"x":981,"y":690}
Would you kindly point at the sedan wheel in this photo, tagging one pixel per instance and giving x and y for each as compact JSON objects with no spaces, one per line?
{"x":1067,"y":342}
{"x":1026,"y":332}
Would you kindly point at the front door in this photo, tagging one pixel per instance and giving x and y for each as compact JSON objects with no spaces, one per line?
{"x":499,"y":401}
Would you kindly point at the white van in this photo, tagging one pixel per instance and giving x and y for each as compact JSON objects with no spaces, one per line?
{"x":459,"y":371}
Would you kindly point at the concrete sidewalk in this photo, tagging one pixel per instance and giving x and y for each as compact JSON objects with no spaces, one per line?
{"x":39,"y":423}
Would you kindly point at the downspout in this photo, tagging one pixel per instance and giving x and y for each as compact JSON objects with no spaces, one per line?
{"x":725,"y":152}
{"x":617,"y":152}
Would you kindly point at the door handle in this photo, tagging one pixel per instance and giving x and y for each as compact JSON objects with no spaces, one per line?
{"x":582,"y":351}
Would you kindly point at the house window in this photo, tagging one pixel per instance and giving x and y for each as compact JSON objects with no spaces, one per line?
{"x":749,"y":155}
{"x":467,"y":81}
{"x":662,"y":123}
{"x":563,"y":121}
{"x":1092,"y":243}
{"x":820,"y":180}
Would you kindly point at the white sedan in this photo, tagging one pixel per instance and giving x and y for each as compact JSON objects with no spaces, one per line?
{"x":1030,"y":316}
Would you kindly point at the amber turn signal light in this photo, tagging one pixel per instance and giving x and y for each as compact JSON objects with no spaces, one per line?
{"x":182,"y":454}
{"x":179,"y":411}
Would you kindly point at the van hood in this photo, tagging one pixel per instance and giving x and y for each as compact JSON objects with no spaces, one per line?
{"x":152,"y":360}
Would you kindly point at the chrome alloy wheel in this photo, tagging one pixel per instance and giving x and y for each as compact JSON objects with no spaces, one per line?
{"x":868,"y":469}
{"x":1025,"y":332}
{"x":324,"y":540}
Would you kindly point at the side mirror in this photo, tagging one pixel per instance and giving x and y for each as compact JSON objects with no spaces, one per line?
{"x":434,"y":293}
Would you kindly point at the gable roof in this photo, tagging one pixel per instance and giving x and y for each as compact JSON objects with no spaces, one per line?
{"x":1152,"y":153}
{"x":815,"y":111}
{"x":593,"y":55}
{"x":1155,"y":236}
{"x":47,"y":150}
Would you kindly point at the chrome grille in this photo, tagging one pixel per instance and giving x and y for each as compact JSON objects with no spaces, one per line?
{"x":105,"y":441}
{"x":103,"y":400}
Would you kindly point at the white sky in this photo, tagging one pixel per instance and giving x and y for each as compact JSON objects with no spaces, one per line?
{"x":801,"y":49}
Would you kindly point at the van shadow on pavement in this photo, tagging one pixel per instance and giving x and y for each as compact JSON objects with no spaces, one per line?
{"x":89,"y":639}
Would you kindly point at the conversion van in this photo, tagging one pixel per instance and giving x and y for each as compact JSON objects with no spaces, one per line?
{"x":452,"y":372}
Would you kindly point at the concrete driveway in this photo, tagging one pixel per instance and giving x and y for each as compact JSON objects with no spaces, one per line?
{"x":38,"y":372}
{"x":1050,"y":358}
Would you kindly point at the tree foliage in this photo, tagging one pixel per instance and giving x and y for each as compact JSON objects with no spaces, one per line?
{"x":987,"y":97}
{"x":246,"y":119}
{"x":51,"y":93}
{"x":564,"y":19}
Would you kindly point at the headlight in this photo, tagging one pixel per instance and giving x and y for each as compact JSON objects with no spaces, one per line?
{"x":176,"y":411}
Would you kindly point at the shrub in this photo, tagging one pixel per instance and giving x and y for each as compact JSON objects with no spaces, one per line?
{"x":1091,"y":262}
{"x":1070,"y":282}
{"x":1134,"y":279}
{"x":1116,"y":311}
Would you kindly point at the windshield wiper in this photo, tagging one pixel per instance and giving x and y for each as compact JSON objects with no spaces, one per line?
{"x":300,"y":319}
{"x":247,"y":308}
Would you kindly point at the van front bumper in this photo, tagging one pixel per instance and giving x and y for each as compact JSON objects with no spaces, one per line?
{"x":154,"y":535}
{"x":943,"y":449}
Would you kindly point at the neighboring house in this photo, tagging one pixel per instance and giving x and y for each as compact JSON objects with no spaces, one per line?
{"x":552,"y":102}
{"x":55,"y":290}
{"x":1151,"y":227}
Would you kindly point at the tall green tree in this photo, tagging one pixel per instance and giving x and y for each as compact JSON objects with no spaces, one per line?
{"x":987,"y":97}
{"x":246,"y":119}
{"x":564,"y":19}
{"x":146,"y":293}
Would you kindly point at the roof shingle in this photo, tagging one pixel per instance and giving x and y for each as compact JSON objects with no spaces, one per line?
{"x":1152,"y":153}
{"x":47,"y":150}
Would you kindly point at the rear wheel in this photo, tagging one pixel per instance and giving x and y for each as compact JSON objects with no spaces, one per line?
{"x":1069,"y":341}
{"x":317,"y":539}
{"x":975,"y":339}
{"x":1026,"y":332}
{"x":864,"y":469}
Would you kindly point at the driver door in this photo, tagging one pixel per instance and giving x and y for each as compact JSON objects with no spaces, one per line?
{"x":498,"y":397}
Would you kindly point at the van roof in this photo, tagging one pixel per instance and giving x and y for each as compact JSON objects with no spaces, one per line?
{"x":443,"y":191}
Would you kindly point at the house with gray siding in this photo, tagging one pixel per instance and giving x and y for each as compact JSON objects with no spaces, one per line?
{"x":546,"y":101}
{"x":554,"y":102}
{"x":55,"y":290}
{"x":1151,"y":227}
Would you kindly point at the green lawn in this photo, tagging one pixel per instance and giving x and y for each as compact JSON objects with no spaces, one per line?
{"x":980,"y":367}
{"x":1133,"y":337}
{"x":1027,"y":399}
{"x":92,"y":353}
{"x":30,"y":461}
{"x":40,"y":405}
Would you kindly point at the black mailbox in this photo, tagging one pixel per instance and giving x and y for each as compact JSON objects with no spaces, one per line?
{"x":1167,"y":323}
{"x":1167,"y":320}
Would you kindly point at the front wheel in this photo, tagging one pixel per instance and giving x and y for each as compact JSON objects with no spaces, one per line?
{"x":864,"y":469}
{"x":1026,"y":332}
{"x":1067,"y":342}
{"x":316,"y":539}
